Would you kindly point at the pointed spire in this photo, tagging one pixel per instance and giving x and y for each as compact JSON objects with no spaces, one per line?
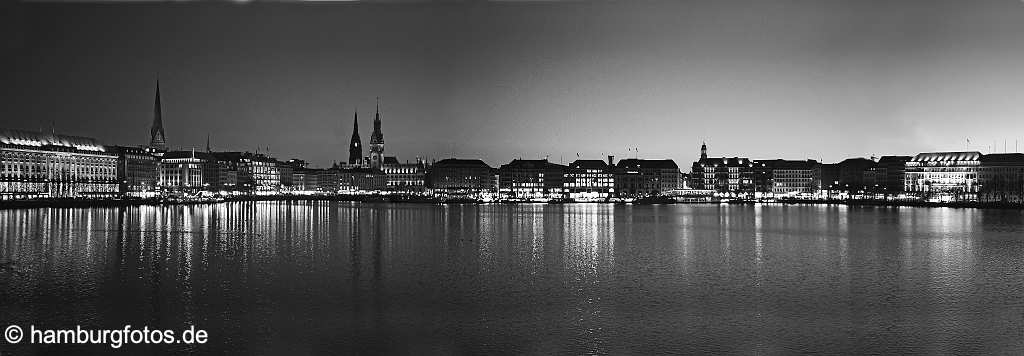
{"x":157,"y":140}
{"x":376,"y":141}
{"x":377,"y":137}
{"x":355,"y":146}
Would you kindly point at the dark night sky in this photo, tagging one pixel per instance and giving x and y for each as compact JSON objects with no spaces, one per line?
{"x":765,"y":79}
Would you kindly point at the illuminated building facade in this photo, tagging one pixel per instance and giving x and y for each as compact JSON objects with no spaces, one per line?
{"x":187,"y":172}
{"x":637,"y":178}
{"x":730,"y":176}
{"x":461,"y":176}
{"x":723,"y":175}
{"x":775,"y":178}
{"x":944,"y":176}
{"x":590,"y":179}
{"x":253,"y":172}
{"x":136,"y":171}
{"x":404,"y":177}
{"x":357,"y":180}
{"x":531,"y":179}
{"x":48,"y":165}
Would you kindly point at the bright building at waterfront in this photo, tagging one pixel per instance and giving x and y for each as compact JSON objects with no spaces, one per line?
{"x":49,"y":165}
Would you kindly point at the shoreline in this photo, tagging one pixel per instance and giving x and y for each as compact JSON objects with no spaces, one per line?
{"x":97,"y":203}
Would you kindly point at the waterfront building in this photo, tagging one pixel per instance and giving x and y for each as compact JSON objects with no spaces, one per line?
{"x":227,"y":177}
{"x":786,"y":178}
{"x":731,"y":176}
{"x":851,"y":174}
{"x":355,"y":146}
{"x":253,"y":173}
{"x":328,"y":180}
{"x":186,"y":172}
{"x":830,"y":180}
{"x":285,"y":172}
{"x":636,"y":178}
{"x":531,"y":179}
{"x":590,"y":179}
{"x":362,"y":180}
{"x":1001,"y":178}
{"x":292,"y":175}
{"x":887,"y":175}
{"x":377,"y":142}
{"x":466,"y":176}
{"x":944,"y":176}
{"x":305,"y":180}
{"x":49,"y":165}
{"x":260,"y":172}
{"x":726,"y":176}
{"x":157,"y":139}
{"x":404,"y":177}
{"x":356,"y":180}
{"x":136,"y":171}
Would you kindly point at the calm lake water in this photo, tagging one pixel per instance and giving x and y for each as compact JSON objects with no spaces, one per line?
{"x":337,"y":278}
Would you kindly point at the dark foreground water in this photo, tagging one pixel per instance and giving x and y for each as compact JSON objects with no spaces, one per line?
{"x":338,"y":278}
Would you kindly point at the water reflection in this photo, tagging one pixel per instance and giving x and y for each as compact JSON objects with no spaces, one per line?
{"x":530,"y":278}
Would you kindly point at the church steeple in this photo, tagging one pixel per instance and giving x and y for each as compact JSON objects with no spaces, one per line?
{"x":376,"y":141}
{"x":703,"y":150}
{"x":157,"y":140}
{"x":377,"y":136}
{"x":355,"y":146}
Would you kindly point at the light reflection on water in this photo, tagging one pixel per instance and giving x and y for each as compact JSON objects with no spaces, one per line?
{"x":329,"y":277}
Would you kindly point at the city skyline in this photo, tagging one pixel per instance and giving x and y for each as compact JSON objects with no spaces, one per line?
{"x":529,"y":80}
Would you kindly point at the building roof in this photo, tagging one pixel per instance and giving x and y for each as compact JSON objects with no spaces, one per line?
{"x":733,"y":162}
{"x":588,"y":164}
{"x":858,"y":160}
{"x":532,"y":164}
{"x":647,"y":163}
{"x":460,"y":163}
{"x":1003,"y":158}
{"x":894,"y":159}
{"x":390,"y":160}
{"x":786,"y":164}
{"x":40,"y":139}
{"x":947,"y":156}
